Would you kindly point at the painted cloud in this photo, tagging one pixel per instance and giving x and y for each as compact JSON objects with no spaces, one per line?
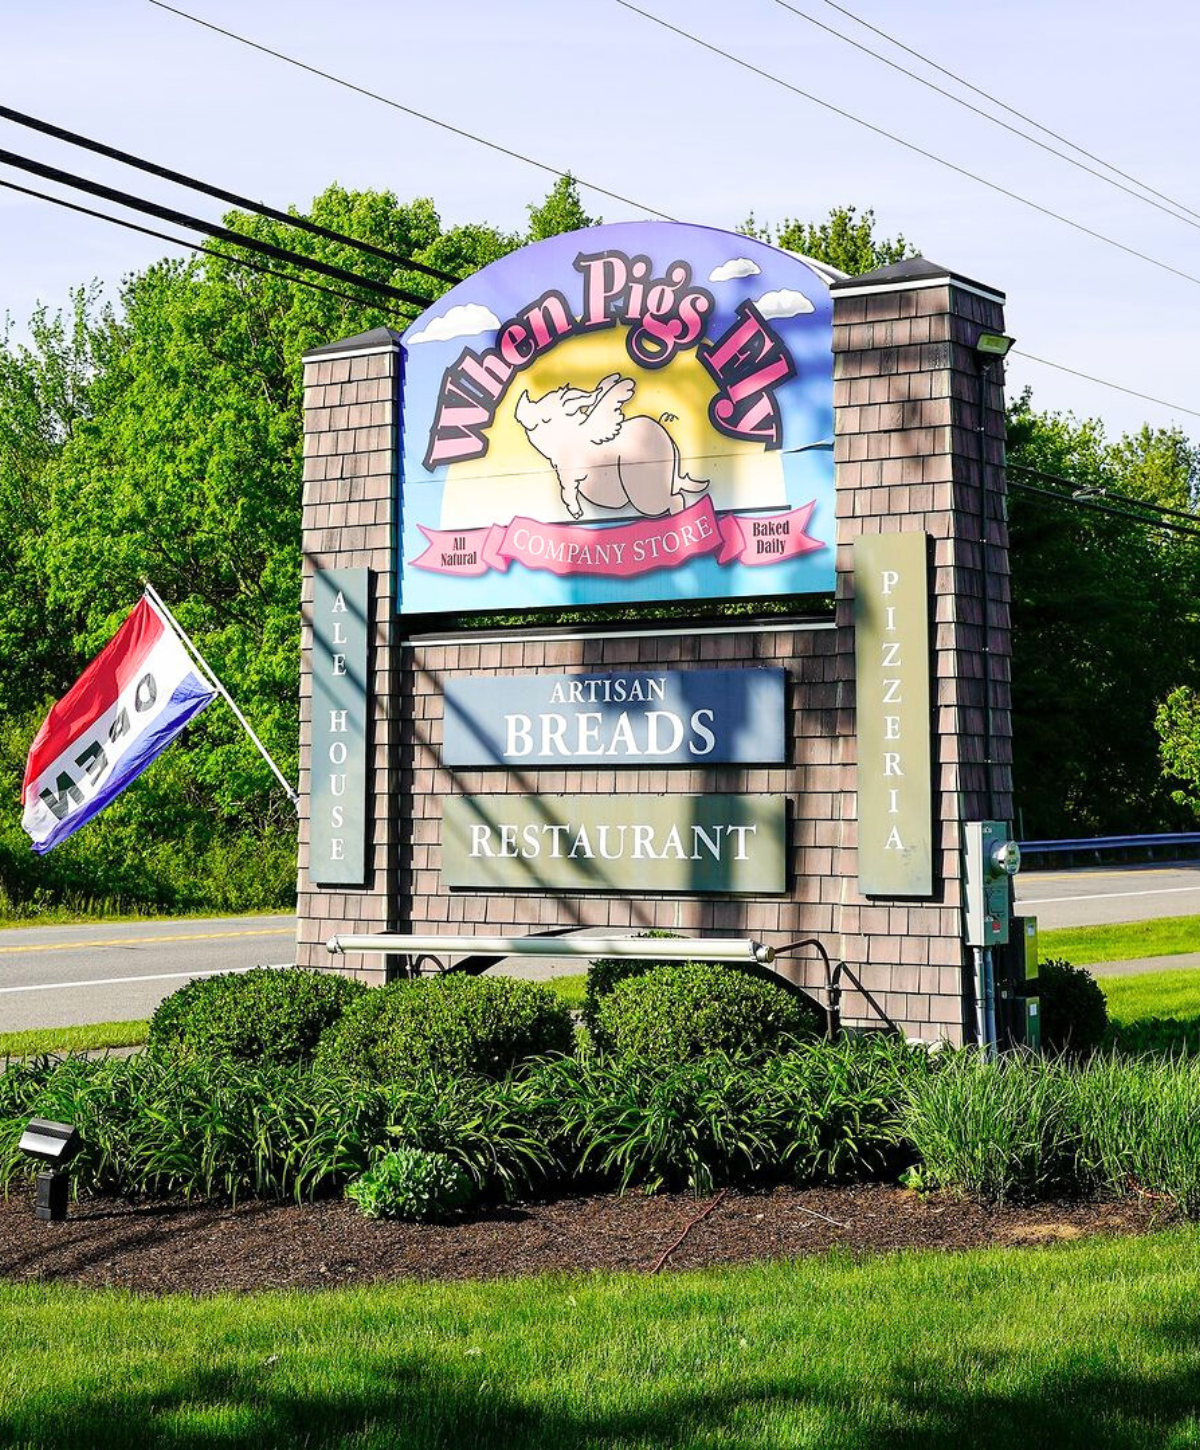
{"x":464,"y":321}
{"x":784,"y":303}
{"x":735,"y":267}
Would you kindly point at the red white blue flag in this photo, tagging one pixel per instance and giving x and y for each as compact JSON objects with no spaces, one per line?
{"x":124,"y":710}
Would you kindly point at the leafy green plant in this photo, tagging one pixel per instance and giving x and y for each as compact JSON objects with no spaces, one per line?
{"x":824,"y":1111}
{"x":412,"y":1185}
{"x":685,"y":1010}
{"x":1073,"y":1010}
{"x":268,"y":1015}
{"x":199,"y":1128}
{"x":995,"y":1130}
{"x":606,"y":973}
{"x":453,"y":1024}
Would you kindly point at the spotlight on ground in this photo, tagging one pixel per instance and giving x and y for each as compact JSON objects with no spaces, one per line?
{"x":55,"y":1144}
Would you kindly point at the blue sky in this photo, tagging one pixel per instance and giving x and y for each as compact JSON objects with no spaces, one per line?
{"x":607,"y":94}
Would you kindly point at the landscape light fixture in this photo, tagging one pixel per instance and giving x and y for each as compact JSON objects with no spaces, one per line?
{"x":54,"y":1144}
{"x":993,"y":344}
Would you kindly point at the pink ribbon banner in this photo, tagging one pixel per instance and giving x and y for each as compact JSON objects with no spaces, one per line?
{"x":623,"y":551}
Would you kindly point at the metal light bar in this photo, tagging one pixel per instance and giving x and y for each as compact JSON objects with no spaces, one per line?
{"x":705,"y":949}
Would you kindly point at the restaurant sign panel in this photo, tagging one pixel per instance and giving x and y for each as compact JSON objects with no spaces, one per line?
{"x":616,"y":843}
{"x":671,"y":717}
{"x":632,"y":412}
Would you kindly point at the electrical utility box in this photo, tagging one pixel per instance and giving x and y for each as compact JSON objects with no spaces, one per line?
{"x":991,"y":858}
{"x":1017,"y":982}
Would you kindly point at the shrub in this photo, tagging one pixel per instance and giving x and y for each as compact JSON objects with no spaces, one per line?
{"x":685,"y":1010}
{"x":411,"y":1185}
{"x":445,"y":1027}
{"x":825,"y":1111}
{"x":200,"y":1128}
{"x":1072,"y":1006}
{"x":997,"y":1130}
{"x":606,"y":973}
{"x":268,"y":1015}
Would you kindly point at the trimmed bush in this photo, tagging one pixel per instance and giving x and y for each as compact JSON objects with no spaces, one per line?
{"x":606,"y":973}
{"x":1073,"y":1010}
{"x":686,"y":1010}
{"x":268,"y":1015}
{"x":413,"y":1186}
{"x":446,"y":1027}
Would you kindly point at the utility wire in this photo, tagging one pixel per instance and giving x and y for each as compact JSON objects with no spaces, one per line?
{"x":1090,"y":503}
{"x":899,"y":141}
{"x":224,"y":234}
{"x":1012,"y":111}
{"x":73,"y":138}
{"x":266,"y":50}
{"x":183,"y":242}
{"x":1138,"y":192}
{"x":1109,"y":493}
{"x":409,"y":111}
{"x":1104,"y":383}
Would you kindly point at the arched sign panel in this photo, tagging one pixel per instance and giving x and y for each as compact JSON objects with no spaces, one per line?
{"x":630,"y":413}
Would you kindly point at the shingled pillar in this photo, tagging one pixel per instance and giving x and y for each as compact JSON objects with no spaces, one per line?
{"x":919,"y":429}
{"x":351,"y":437}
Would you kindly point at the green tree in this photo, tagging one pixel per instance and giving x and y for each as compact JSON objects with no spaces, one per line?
{"x":562,"y":211}
{"x":1104,"y":625}
{"x":843,"y":240}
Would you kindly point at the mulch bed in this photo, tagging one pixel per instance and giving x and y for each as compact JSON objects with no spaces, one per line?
{"x":159,"y":1248}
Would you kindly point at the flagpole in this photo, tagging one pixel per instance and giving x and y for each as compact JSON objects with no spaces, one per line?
{"x":188,"y":644}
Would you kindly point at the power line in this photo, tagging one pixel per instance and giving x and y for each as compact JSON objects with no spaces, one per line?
{"x":182,"y":242}
{"x":73,"y":138}
{"x":1138,"y":192}
{"x":408,"y":110}
{"x":1074,"y":483}
{"x":1133,"y":393}
{"x":1062,"y":367}
{"x":1102,"y":508}
{"x":224,"y":234}
{"x":1012,"y":111}
{"x":899,"y":141}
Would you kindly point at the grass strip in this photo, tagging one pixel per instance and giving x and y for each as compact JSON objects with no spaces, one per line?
{"x":1071,"y":1347}
{"x":1125,"y":941}
{"x":1154,"y":994}
{"x":94,"y":1036}
{"x":572,"y":989}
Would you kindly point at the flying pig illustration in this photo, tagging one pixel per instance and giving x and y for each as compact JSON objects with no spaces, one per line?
{"x":604,"y":457}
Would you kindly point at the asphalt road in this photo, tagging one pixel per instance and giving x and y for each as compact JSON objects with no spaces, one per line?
{"x":57,"y":976}
{"x":61,"y":976}
{"x":1099,"y":895}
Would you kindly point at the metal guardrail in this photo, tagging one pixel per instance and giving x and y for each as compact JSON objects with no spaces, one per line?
{"x":1096,"y":844}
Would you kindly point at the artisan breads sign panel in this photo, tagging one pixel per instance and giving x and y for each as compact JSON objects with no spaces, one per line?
{"x":672,"y":717}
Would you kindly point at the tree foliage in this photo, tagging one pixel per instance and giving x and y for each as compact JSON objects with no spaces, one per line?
{"x":159,"y":438}
{"x":1104,"y":622}
{"x":843,"y":240}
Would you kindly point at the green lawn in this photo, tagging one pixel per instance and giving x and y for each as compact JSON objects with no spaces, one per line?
{"x":1083,"y":1345}
{"x":1124,"y":941}
{"x":96,"y":1035}
{"x":571,"y":989}
{"x":1157,"y":994}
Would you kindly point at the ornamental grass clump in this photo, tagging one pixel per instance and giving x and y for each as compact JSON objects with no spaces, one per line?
{"x":412,"y":1186}
{"x":268,"y":1015}
{"x":485,"y":1026}
{"x":819,"y":1113}
{"x":1138,"y":1127}
{"x":997,"y":1130}
{"x":686,"y":1010}
{"x":201,"y":1129}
